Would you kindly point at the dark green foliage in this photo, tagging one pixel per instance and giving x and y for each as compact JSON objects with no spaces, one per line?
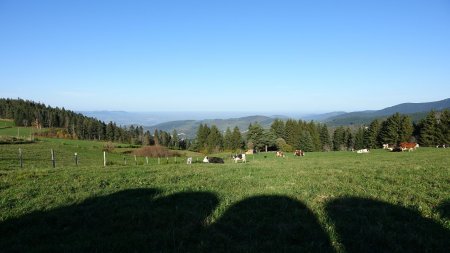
{"x":278,"y":128}
{"x":214,"y":140}
{"x":306,"y":142}
{"x":237,"y":141}
{"x":371,"y":135}
{"x":339,"y":139}
{"x":359,"y":138}
{"x":255,"y":136}
{"x":429,"y":132}
{"x":324,"y":137}
{"x":397,"y":128}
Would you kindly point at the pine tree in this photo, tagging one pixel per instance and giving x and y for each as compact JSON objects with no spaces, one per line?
{"x":255,"y":133}
{"x":214,"y":140}
{"x":372,"y":134}
{"x":444,"y":127}
{"x":236,"y":139}
{"x":277,"y":128}
{"x":428,"y":130}
{"x":175,"y":142}
{"x":338,"y":139}
{"x":325,"y":138}
{"x":306,"y":141}
{"x":228,"y":140}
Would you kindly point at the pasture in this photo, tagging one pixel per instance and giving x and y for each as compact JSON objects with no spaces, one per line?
{"x":329,"y":202}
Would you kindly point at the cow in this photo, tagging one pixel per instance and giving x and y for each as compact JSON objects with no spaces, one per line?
{"x":212,"y":160}
{"x":410,"y":146}
{"x":189,"y":160}
{"x":299,"y":153}
{"x":280,"y":154}
{"x":443,"y":146}
{"x":249,"y":152}
{"x":240,"y":157}
{"x":363,"y":151}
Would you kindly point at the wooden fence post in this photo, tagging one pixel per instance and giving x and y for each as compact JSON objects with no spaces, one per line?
{"x":76,"y":159}
{"x":53,"y":158}
{"x":20,"y":158}
{"x":135,"y":160}
{"x":159,"y":160}
{"x":125,"y":160}
{"x":104,"y":158}
{"x":146,"y":159}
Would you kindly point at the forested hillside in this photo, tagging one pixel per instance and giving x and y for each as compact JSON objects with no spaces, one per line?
{"x":64,"y":123}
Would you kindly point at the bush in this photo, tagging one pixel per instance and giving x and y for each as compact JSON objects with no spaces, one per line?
{"x":109,"y":147}
{"x":155,"y":151}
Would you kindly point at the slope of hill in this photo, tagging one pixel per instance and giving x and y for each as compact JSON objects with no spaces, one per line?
{"x":189,"y":127}
{"x":415,"y":110}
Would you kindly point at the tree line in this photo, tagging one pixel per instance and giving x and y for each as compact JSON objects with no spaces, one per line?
{"x":282,"y":135}
{"x":63,"y":123}
{"x":310,"y":136}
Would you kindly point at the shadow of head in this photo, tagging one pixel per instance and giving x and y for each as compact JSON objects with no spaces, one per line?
{"x":130,"y":220}
{"x":268,"y":224}
{"x":367,"y":225}
{"x":444,"y":209}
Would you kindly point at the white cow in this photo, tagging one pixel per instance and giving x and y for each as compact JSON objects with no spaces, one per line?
{"x":240,"y":157}
{"x":362,"y":151}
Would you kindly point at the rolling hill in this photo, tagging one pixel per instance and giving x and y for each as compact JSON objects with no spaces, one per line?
{"x":415,"y":110}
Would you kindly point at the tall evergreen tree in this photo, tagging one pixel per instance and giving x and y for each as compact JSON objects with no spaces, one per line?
{"x":428,"y":130}
{"x":306,"y":141}
{"x":215,"y":139}
{"x":339,"y":139}
{"x":228,"y":140}
{"x":254,"y":135}
{"x":372,"y":134}
{"x":236,"y":139}
{"x":277,"y":128}
{"x":325,"y":138}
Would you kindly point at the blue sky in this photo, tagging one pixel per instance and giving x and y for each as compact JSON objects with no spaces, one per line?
{"x":269,"y":56}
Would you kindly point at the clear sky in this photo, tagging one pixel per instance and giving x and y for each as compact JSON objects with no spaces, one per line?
{"x":281,"y":56}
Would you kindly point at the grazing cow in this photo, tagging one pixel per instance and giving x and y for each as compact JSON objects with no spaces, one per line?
{"x":363,"y":151}
{"x":443,"y":146}
{"x":249,"y":152}
{"x":410,"y":146}
{"x":397,"y":149}
{"x":280,"y":154}
{"x":299,"y":153}
{"x":212,"y":160}
{"x":189,"y":160}
{"x":240,"y":157}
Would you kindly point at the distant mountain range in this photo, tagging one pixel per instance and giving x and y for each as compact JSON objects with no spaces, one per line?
{"x":415,"y":110}
{"x":168,"y":121}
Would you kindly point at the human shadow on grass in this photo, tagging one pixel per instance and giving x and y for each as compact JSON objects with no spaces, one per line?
{"x":367,"y":225}
{"x":126,"y":221}
{"x":444,"y":209}
{"x":267,"y":224}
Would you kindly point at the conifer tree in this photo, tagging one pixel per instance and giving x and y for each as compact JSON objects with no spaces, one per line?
{"x":228,"y":139}
{"x":325,"y":137}
{"x":428,"y":130}
{"x":236,"y":139}
{"x":306,"y":141}
{"x":277,"y":128}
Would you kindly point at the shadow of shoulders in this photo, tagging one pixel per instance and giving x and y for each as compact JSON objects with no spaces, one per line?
{"x":130,"y":220}
{"x":367,"y":225}
{"x":267,"y":224}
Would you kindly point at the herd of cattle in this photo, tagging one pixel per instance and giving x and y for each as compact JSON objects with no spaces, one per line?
{"x":403,"y":146}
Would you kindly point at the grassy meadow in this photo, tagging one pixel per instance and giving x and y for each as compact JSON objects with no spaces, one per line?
{"x":322,"y":202}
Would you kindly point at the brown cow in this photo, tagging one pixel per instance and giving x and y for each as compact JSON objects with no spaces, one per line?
{"x":299,"y":152}
{"x":410,"y":146}
{"x":280,"y":154}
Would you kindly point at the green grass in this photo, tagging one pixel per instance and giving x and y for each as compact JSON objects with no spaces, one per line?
{"x":331,"y":202}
